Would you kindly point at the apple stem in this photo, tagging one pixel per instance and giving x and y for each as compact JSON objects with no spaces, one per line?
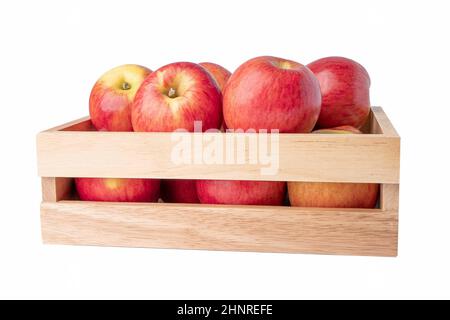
{"x":126,"y":86}
{"x":171,"y":93}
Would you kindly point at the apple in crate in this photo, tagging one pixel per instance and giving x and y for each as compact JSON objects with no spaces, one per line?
{"x":172,"y":98}
{"x":272,"y":93}
{"x":117,"y":190}
{"x":333,"y":195}
{"x":112,"y":95}
{"x":264,"y":93}
{"x":345,"y":87}
{"x":175,"y":96}
{"x":241,"y":192}
{"x":219,"y":73}
{"x":184,"y":191}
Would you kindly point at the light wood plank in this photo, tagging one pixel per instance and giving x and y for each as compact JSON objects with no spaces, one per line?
{"x":389,"y":197}
{"x":389,"y":200}
{"x":302,"y":157}
{"x":237,"y":228}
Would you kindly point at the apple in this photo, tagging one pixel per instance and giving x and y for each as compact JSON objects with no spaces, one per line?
{"x":219,"y":73}
{"x":333,"y":195}
{"x":117,"y":190}
{"x":175,"y":96}
{"x":171,"y":98}
{"x":241,"y":192}
{"x":264,"y":93}
{"x":179,"y":191}
{"x":110,"y":110}
{"x":345,"y":87}
{"x":112,"y":95}
{"x":272,"y":93}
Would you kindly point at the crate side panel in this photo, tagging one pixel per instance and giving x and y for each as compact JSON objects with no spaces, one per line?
{"x":235,"y":228}
{"x":299,"y":157}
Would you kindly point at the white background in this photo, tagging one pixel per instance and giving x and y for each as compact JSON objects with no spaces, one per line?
{"x":51,"y":53}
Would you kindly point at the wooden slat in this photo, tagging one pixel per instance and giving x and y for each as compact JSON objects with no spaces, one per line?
{"x":302,"y":157}
{"x":389,"y":197}
{"x":238,"y":228}
{"x":389,"y":201}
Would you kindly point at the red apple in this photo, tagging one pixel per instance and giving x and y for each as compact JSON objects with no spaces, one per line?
{"x":345,"y":87}
{"x":272,"y":93}
{"x":241,"y":192}
{"x":117,"y":190}
{"x":179,"y":191}
{"x":219,"y":73}
{"x":333,"y":195}
{"x":175,"y":96}
{"x":109,"y":108}
{"x":171,"y":98}
{"x":111,"y":96}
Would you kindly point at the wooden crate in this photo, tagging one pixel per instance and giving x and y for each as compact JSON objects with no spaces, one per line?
{"x":75,"y":150}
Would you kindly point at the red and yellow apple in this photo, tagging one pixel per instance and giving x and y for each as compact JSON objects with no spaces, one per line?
{"x":175,"y":96}
{"x":117,"y":190}
{"x":179,"y":191}
{"x":345,"y":87}
{"x":272,"y":93}
{"x":219,"y":73}
{"x":109,"y":108}
{"x":112,"y":95}
{"x":333,"y":195}
{"x":241,"y":192}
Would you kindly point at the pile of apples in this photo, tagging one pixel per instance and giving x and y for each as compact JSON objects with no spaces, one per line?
{"x":329,"y":96}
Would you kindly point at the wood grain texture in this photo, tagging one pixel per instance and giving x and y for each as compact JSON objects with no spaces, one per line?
{"x":370,"y":158}
{"x":390,"y":197}
{"x":237,"y":228}
{"x":73,"y":150}
{"x":389,"y":201}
